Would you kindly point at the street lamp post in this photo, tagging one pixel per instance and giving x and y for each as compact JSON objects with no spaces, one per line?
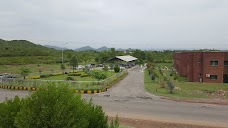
{"x":62,"y":52}
{"x":62,"y":56}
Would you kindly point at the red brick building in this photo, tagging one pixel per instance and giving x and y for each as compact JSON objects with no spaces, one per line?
{"x":202,"y":66}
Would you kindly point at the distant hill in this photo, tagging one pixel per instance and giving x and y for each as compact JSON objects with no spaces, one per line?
{"x":15,"y":48}
{"x":84,"y":48}
{"x":55,"y":47}
{"x":104,"y":48}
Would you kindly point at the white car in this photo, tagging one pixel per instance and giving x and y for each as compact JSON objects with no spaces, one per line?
{"x":122,"y":68}
{"x":80,"y":67}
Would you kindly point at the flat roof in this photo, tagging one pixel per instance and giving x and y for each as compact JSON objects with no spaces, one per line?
{"x":127,"y":58}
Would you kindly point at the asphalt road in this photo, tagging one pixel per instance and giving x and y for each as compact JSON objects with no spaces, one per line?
{"x":129,"y":99}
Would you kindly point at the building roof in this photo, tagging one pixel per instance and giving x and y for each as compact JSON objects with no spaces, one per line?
{"x":126,"y":58}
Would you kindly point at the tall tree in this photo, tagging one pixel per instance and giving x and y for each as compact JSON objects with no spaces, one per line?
{"x":113,"y":52}
{"x":24,"y":72}
{"x":140,"y":55}
{"x":74,"y":62}
{"x":62,"y":67}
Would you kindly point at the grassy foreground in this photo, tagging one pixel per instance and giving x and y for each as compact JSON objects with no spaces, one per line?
{"x":187,"y":90}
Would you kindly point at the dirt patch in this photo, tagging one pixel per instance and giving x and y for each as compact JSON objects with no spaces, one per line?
{"x":138,"y":123}
{"x":219,"y":94}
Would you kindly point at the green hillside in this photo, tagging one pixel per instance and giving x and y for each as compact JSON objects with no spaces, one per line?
{"x":25,"y":52}
{"x":16,"y":48}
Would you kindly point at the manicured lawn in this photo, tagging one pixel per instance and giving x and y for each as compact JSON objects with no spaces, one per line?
{"x":78,"y":78}
{"x":63,"y":77}
{"x":186,"y":90}
{"x":80,"y":83}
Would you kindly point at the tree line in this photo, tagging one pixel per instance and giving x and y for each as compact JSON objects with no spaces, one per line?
{"x":25,"y":52}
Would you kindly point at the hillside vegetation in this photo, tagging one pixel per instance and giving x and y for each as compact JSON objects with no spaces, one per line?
{"x":16,"y":48}
{"x":24,"y":52}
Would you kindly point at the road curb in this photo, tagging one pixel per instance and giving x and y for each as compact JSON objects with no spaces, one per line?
{"x":23,"y":88}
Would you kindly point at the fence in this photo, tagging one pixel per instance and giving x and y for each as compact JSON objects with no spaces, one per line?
{"x":80,"y":85}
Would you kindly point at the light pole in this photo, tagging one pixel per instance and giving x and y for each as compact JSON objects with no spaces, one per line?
{"x":62,"y":52}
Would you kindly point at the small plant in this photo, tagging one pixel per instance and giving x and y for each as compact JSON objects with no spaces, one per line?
{"x":115,"y":123}
{"x":152,"y":76}
{"x":162,"y":84}
{"x":40,"y":71}
{"x":84,"y":75}
{"x":44,"y":76}
{"x":52,"y":70}
{"x":34,"y":77}
{"x":69,"y":78}
{"x":105,"y":68}
{"x":170,"y":86}
{"x":117,"y":69}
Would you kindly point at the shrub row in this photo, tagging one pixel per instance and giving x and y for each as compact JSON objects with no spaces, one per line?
{"x":78,"y":74}
{"x":49,"y":75}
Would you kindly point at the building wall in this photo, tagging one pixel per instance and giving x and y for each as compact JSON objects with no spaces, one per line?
{"x":195,"y":65}
{"x":213,"y":70}
{"x":180,"y":64}
{"x":225,"y":71}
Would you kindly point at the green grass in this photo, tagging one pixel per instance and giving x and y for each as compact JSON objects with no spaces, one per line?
{"x":63,"y":77}
{"x":45,"y":68}
{"x":184,"y":90}
{"x":78,"y":78}
{"x":162,"y":65}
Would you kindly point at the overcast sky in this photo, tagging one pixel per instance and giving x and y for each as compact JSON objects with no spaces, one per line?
{"x":144,"y":24}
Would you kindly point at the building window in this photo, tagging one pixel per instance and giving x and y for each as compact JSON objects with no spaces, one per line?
{"x":214,"y":63}
{"x":225,"y":63}
{"x":213,"y":77}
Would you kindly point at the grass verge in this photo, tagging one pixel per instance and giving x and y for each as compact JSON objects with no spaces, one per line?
{"x":187,"y":90}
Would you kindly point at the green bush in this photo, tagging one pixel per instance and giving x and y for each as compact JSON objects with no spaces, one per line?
{"x":175,"y":77}
{"x":170,"y":86}
{"x":84,"y":75}
{"x":54,"y":107}
{"x":69,"y":78}
{"x":117,"y":69}
{"x":74,"y":74}
{"x":8,"y":111}
{"x":98,"y":74}
{"x":44,"y":76}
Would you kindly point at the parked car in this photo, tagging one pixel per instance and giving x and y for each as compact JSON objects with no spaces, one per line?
{"x":80,"y":67}
{"x":100,"y":65}
{"x":122,"y":68}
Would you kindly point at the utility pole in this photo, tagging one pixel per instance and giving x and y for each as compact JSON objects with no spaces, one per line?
{"x":62,"y":52}
{"x":62,"y":56}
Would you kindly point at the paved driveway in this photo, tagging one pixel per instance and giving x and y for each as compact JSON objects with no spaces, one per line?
{"x":132,"y":86}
